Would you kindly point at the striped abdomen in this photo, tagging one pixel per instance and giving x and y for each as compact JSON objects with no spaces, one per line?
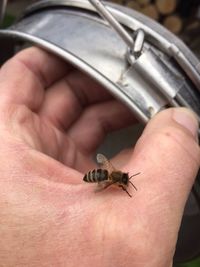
{"x":96,"y":176}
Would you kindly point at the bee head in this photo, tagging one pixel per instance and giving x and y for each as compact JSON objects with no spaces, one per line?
{"x":125,"y":178}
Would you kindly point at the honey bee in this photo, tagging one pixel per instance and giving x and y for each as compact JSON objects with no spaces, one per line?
{"x":107,"y":175}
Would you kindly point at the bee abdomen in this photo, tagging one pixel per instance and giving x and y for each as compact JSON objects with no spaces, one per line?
{"x":95,"y":176}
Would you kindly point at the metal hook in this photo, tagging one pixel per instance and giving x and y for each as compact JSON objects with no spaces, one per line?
{"x":133,"y":54}
{"x":139,"y":42}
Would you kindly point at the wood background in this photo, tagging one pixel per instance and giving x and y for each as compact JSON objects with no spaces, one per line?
{"x":182,"y":17}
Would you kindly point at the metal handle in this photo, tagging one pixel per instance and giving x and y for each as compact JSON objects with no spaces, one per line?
{"x":103,"y":11}
{"x":135,"y":44}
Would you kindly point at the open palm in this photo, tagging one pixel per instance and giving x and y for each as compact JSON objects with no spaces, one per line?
{"x":53,"y":118}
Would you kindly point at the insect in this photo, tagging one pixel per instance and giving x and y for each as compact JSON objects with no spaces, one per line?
{"x":107,"y":175}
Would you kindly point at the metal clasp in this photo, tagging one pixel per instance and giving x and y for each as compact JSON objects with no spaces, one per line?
{"x":134,"y":43}
{"x":136,"y":51}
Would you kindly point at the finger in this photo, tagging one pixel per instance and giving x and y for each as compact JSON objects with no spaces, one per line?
{"x":25,"y":76}
{"x":96,"y":121}
{"x":66,"y":99}
{"x":168,"y":157}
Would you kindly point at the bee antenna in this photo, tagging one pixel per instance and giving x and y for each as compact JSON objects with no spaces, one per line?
{"x":134,"y":175}
{"x":131,"y":182}
{"x":125,"y":190}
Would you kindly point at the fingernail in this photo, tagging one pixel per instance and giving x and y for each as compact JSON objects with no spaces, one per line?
{"x":187,"y":119}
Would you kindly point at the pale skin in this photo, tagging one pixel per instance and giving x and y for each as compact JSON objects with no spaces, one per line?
{"x":53,"y":118}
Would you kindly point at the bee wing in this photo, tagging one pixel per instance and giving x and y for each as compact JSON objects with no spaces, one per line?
{"x":104,"y":163}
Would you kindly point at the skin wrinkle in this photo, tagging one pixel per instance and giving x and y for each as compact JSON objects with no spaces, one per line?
{"x":97,"y":115}
{"x":24,"y":94}
{"x":72,"y":157}
{"x":97,"y":133}
{"x":78,"y":108}
{"x":22,"y":124}
{"x":85,"y":95}
{"x":106,"y":125}
{"x":55,"y":151}
{"x":84,"y":233}
{"x":35,"y":237}
{"x":29,"y":68}
{"x":115,"y":235}
{"x":56,"y":172}
{"x":79,"y":95}
{"x":44,"y":79}
{"x":63,"y":98}
{"x":102,"y":227}
{"x":24,"y":121}
{"x":106,"y":223}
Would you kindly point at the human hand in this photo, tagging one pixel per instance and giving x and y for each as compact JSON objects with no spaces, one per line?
{"x":52,"y":120}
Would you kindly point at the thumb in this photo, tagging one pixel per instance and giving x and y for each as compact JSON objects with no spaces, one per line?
{"x":168,"y":156}
{"x":169,"y":153}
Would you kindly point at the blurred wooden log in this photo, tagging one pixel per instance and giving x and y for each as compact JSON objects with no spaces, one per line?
{"x":193,"y":28}
{"x":119,"y":2}
{"x":150,"y":11}
{"x":166,"y":6}
{"x":134,"y":5}
{"x":143,"y":2}
{"x":173,"y":23}
{"x":198,"y":12}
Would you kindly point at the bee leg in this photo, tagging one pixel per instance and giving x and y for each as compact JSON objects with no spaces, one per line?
{"x":133,"y":185}
{"x":102,"y":186}
{"x":123,"y":188}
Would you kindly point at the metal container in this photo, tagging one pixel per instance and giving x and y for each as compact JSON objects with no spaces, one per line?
{"x":141,"y":63}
